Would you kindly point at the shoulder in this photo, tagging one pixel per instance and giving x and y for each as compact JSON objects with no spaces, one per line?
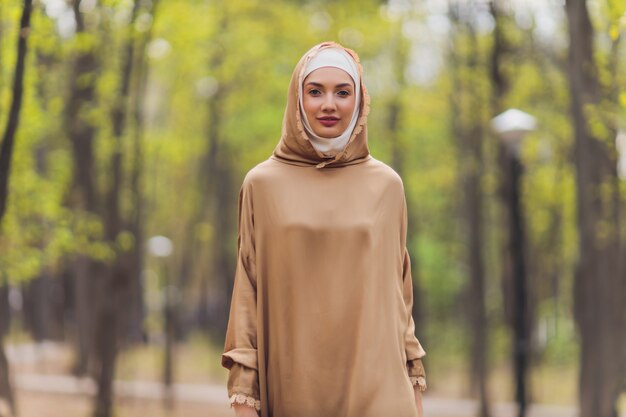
{"x":384,"y":172}
{"x":261,"y":173}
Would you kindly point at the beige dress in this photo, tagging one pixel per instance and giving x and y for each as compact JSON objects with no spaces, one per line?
{"x":320,"y":321}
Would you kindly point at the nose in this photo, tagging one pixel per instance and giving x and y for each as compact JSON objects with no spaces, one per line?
{"x":329,"y":103}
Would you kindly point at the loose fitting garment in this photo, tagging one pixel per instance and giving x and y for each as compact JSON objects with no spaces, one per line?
{"x":320,"y":322}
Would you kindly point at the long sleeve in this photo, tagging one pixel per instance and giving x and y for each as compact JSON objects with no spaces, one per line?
{"x":414,"y":350}
{"x":240,"y":349}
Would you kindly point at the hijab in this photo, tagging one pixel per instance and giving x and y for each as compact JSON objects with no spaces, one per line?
{"x":295,"y":145}
{"x":336,"y":58}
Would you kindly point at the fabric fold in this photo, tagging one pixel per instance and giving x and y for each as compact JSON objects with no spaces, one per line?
{"x":413,"y":348}
{"x":415,"y":368}
{"x":243,"y":356}
{"x":240,"y":354}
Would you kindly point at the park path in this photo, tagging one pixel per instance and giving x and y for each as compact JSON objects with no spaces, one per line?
{"x":215,"y":397}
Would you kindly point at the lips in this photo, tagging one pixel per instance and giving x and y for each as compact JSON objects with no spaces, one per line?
{"x":328,"y":121}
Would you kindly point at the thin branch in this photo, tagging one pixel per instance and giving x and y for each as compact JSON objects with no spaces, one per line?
{"x":8,"y":139}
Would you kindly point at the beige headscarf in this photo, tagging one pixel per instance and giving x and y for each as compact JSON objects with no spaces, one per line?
{"x":336,"y":58}
{"x":295,"y":146}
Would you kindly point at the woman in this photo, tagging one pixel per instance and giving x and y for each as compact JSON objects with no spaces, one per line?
{"x":320,"y":322}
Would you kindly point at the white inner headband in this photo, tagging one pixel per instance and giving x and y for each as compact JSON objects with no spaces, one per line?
{"x":337,"y":58}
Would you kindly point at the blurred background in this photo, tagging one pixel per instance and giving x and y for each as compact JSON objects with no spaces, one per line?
{"x":127,"y":127}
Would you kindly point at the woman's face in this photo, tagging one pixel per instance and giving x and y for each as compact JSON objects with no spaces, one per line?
{"x":328,"y":101}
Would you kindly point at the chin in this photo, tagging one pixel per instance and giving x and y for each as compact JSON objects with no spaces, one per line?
{"x":326,"y":134}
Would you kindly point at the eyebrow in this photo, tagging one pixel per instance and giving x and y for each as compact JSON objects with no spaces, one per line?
{"x":337,"y":86}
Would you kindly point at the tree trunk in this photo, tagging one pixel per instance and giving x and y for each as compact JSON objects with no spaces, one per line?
{"x":218,"y":195}
{"x":6,"y":153}
{"x":469,"y":133}
{"x":598,"y":285}
{"x":1,"y":49}
{"x":398,"y":162}
{"x":136,"y":315}
{"x":84,"y":275}
{"x":221,"y":208}
{"x":36,"y":308}
{"x":168,"y":354}
{"x":85,"y":192}
{"x":6,"y":390}
{"x":115,"y":283}
{"x":224,"y":222}
{"x":8,"y":139}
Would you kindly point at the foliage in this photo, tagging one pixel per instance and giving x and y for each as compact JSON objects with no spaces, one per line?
{"x":238,"y":55}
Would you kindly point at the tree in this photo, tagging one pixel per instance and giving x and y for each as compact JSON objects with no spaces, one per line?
{"x":85,"y":200}
{"x":136,"y":314}
{"x":116,"y":281}
{"x":598,"y":288}
{"x":6,"y":151}
{"x":394,"y":126}
{"x":466,"y":102}
{"x":515,"y":261}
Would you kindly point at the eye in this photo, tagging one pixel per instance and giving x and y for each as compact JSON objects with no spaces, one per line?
{"x":314,"y":92}
{"x":343,"y":93}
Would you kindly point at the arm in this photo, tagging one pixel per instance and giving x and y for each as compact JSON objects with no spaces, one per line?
{"x":245,"y":411}
{"x":414,"y":350}
{"x":418,"y":402}
{"x":240,"y":349}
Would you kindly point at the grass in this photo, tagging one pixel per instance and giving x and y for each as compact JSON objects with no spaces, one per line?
{"x":196,"y":361}
{"x":50,"y":405}
{"x":554,"y":385}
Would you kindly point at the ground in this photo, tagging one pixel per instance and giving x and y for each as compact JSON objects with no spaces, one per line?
{"x":44,"y":389}
{"x":50,"y":405}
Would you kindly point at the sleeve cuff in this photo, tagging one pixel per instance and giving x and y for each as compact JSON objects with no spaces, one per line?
{"x":417,"y":374}
{"x":415,"y":367}
{"x":419,"y":382}
{"x":243,"y":399}
{"x":243,"y":382}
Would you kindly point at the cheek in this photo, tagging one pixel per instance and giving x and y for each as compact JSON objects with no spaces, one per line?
{"x":348,"y":105}
{"x":308,"y":104}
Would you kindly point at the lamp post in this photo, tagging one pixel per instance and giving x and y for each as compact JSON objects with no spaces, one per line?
{"x":511,"y":127}
{"x":161,"y":247}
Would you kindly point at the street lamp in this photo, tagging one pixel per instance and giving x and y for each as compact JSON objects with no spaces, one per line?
{"x":161,"y":247}
{"x":511,"y":127}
